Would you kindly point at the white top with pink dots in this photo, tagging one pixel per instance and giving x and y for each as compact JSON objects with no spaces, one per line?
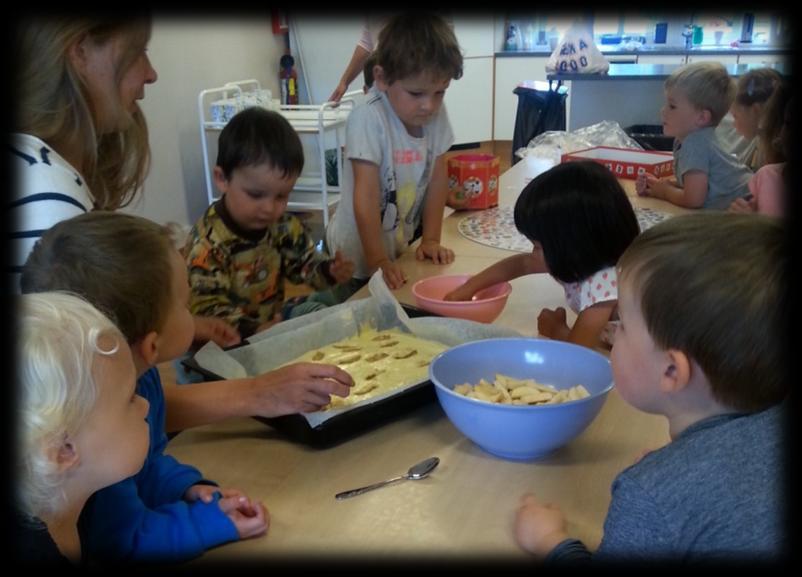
{"x":597,"y":288}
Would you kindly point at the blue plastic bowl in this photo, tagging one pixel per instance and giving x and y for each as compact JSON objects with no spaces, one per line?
{"x":521,"y":432}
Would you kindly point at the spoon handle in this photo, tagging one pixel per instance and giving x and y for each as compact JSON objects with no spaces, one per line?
{"x":355,"y":492}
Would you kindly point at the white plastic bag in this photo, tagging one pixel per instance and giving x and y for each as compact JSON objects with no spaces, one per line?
{"x":577,"y":53}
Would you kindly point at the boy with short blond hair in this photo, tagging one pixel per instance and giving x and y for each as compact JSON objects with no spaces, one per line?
{"x":698,"y":95}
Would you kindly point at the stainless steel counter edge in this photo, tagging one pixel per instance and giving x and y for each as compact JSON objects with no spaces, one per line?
{"x":653,"y":71}
{"x":667,"y":50}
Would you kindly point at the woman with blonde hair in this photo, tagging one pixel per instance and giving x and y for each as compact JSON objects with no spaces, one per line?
{"x":79,"y":140}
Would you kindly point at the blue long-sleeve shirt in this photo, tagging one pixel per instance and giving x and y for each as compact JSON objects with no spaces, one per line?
{"x":713,"y":494}
{"x":145,"y":517}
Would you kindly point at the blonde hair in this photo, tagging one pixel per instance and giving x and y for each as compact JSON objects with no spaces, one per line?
{"x":707,"y":86}
{"x":59,"y":336}
{"x":54,"y":103}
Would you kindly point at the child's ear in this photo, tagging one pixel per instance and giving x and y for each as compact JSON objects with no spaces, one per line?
{"x":677,"y":372}
{"x":63,"y":455}
{"x":379,"y":78}
{"x":220,"y":180}
{"x":147,"y":348}
{"x":704,"y":118}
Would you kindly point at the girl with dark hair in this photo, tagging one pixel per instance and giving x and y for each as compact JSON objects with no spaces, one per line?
{"x":580,"y":221}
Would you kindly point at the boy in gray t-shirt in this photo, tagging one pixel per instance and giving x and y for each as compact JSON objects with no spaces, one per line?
{"x":706,"y":176}
{"x":395,"y":184}
{"x":701,"y":343}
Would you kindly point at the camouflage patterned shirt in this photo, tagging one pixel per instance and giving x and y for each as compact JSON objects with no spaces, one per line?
{"x":239,"y":275}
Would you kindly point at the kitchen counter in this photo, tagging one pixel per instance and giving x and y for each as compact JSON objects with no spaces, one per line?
{"x":628,"y":93}
{"x":666,"y":49}
{"x":656,"y":71}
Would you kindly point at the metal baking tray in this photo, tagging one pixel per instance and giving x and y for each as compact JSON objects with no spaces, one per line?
{"x":350,"y":423}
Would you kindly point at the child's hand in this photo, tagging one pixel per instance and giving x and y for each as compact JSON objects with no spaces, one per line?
{"x":455,"y":202}
{"x":341,"y":268}
{"x":277,"y":318}
{"x":743,"y":205}
{"x":206,"y":493}
{"x":393,"y":274}
{"x":215,"y":329}
{"x":250,"y":518}
{"x":539,"y":527}
{"x":552,"y":323}
{"x":459,"y":294}
{"x":435,"y":251}
{"x":644,"y":184}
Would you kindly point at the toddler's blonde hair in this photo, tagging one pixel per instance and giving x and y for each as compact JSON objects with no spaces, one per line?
{"x":59,"y":335}
{"x":707,"y":86}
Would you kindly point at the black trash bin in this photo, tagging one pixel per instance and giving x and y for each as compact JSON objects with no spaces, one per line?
{"x":650,"y":136}
{"x":538,"y":111}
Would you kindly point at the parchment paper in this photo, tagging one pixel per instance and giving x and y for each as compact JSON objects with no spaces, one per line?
{"x":290,"y":339}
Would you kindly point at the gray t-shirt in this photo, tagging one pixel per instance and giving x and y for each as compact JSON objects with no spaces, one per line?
{"x":717,"y":492}
{"x":727,"y":179}
{"x":374,"y":133}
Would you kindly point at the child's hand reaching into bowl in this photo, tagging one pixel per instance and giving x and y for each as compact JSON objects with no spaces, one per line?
{"x":461,"y":293}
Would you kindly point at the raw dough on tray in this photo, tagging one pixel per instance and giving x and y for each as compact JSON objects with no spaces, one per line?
{"x":378,"y":361}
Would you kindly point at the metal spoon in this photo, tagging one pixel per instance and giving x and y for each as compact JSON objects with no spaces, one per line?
{"x":418,"y":471}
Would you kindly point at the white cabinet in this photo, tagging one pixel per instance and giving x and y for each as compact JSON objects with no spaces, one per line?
{"x":725,"y":59}
{"x":474,"y":34}
{"x":469,"y":101}
{"x":661,"y":59}
{"x":767,"y":59}
{"x":510,"y":71}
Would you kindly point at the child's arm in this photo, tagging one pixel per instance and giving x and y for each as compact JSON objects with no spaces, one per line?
{"x":215,"y":329}
{"x":504,"y":270}
{"x":296,"y":388}
{"x":691,"y":195}
{"x":587,"y":328}
{"x":367,"y":212}
{"x":121,"y":526}
{"x":436,"y":194}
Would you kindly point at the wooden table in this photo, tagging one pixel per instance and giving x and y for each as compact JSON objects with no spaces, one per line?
{"x":465,"y":509}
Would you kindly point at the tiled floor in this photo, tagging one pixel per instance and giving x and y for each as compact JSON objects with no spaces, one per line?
{"x":502,"y":149}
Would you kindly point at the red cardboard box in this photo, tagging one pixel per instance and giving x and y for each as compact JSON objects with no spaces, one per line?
{"x":626,"y":162}
{"x":475,"y":177}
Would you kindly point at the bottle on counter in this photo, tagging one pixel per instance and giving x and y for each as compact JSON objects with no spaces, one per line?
{"x":513,"y":40}
{"x":288,"y":79}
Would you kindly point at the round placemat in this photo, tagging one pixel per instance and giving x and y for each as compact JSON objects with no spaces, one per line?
{"x":496,"y":227}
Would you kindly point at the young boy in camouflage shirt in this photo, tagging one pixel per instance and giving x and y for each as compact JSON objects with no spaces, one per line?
{"x":243,"y":249}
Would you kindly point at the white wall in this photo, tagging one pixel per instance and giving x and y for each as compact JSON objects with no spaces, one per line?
{"x":191,"y":54}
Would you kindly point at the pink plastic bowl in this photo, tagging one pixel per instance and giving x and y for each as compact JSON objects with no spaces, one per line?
{"x":485,"y":307}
